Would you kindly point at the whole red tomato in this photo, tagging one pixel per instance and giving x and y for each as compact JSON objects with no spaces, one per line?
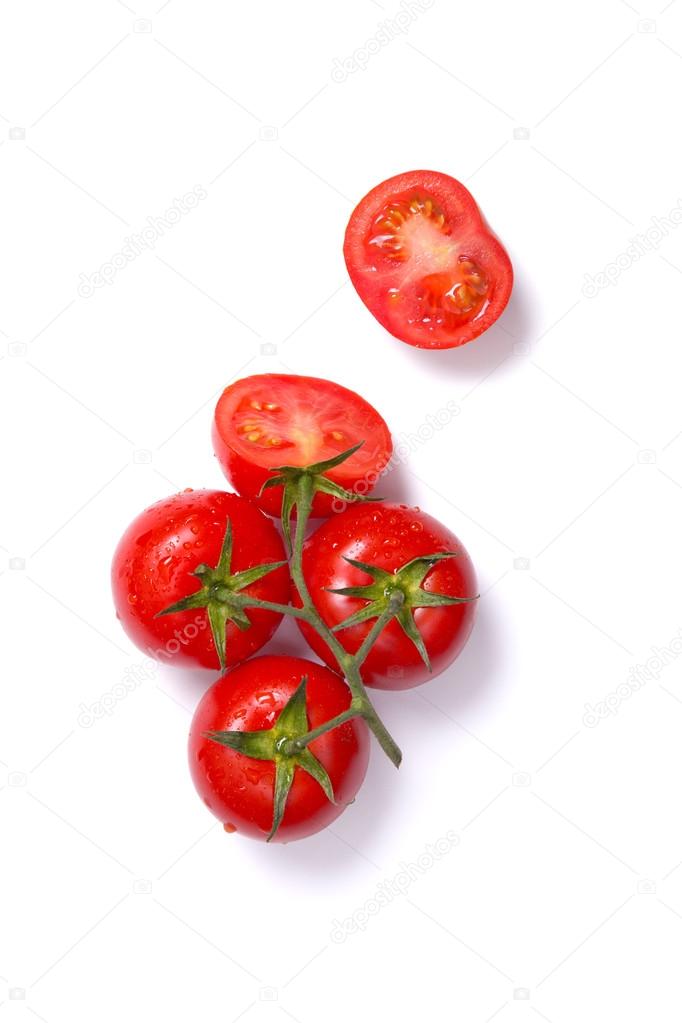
{"x":424,"y":261}
{"x":385,"y":538}
{"x":274,"y":419}
{"x":238,"y":788}
{"x":154,"y":565}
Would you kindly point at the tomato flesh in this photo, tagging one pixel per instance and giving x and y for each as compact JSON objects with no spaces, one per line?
{"x":424,"y":261}
{"x":238,"y":789}
{"x":276,"y":419}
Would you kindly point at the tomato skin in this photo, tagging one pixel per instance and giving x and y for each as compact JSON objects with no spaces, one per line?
{"x":465,"y":220}
{"x":248,"y":479}
{"x":152,"y":568}
{"x":388,"y":536}
{"x":248,"y":474}
{"x":238,"y":789}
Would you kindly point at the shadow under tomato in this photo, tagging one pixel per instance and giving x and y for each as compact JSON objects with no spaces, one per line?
{"x":516,"y":325}
{"x":185,"y":686}
{"x":397,"y":486}
{"x":350,"y":842}
{"x":473,"y":675}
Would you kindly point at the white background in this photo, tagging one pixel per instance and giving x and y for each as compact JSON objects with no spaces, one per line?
{"x":561,"y":898}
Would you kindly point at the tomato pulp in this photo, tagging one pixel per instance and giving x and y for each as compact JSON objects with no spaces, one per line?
{"x":274,"y":419}
{"x":424,"y":261}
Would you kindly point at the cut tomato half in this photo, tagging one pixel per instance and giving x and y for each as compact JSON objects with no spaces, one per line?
{"x":424,"y":261}
{"x":275,"y":419}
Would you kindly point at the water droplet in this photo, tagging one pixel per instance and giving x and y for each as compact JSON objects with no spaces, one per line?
{"x":165,"y":567}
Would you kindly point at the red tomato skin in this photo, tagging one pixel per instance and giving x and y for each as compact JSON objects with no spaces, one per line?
{"x":458,"y":202}
{"x":152,"y":568}
{"x":248,"y":478}
{"x":388,"y":535}
{"x":238,"y":789}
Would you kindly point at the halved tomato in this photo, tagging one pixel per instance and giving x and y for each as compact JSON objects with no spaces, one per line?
{"x":424,"y":261}
{"x":274,"y":419}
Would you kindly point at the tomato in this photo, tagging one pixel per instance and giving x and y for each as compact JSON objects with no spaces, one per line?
{"x":274,"y":419}
{"x":424,"y":261}
{"x":152,"y":570}
{"x":239,"y":789}
{"x":390,"y":536}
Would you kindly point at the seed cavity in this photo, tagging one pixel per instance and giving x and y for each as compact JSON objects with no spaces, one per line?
{"x":387,"y":232}
{"x":444,"y":298}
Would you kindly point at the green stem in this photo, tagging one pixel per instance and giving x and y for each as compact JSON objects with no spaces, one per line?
{"x":350,"y":664}
{"x":395,"y":602}
{"x":240,"y":600}
{"x":381,"y":732}
{"x":303,"y":507}
{"x":296,"y":745}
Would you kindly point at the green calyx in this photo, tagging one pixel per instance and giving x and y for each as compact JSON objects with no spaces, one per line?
{"x":301,"y":483}
{"x":219,"y":594}
{"x":281,"y":744}
{"x":396,"y":595}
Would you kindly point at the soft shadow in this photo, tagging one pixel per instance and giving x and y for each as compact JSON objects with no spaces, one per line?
{"x":185,"y":686}
{"x":343,"y":845}
{"x":398,"y":486}
{"x":476,"y":671}
{"x":515,"y":325}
